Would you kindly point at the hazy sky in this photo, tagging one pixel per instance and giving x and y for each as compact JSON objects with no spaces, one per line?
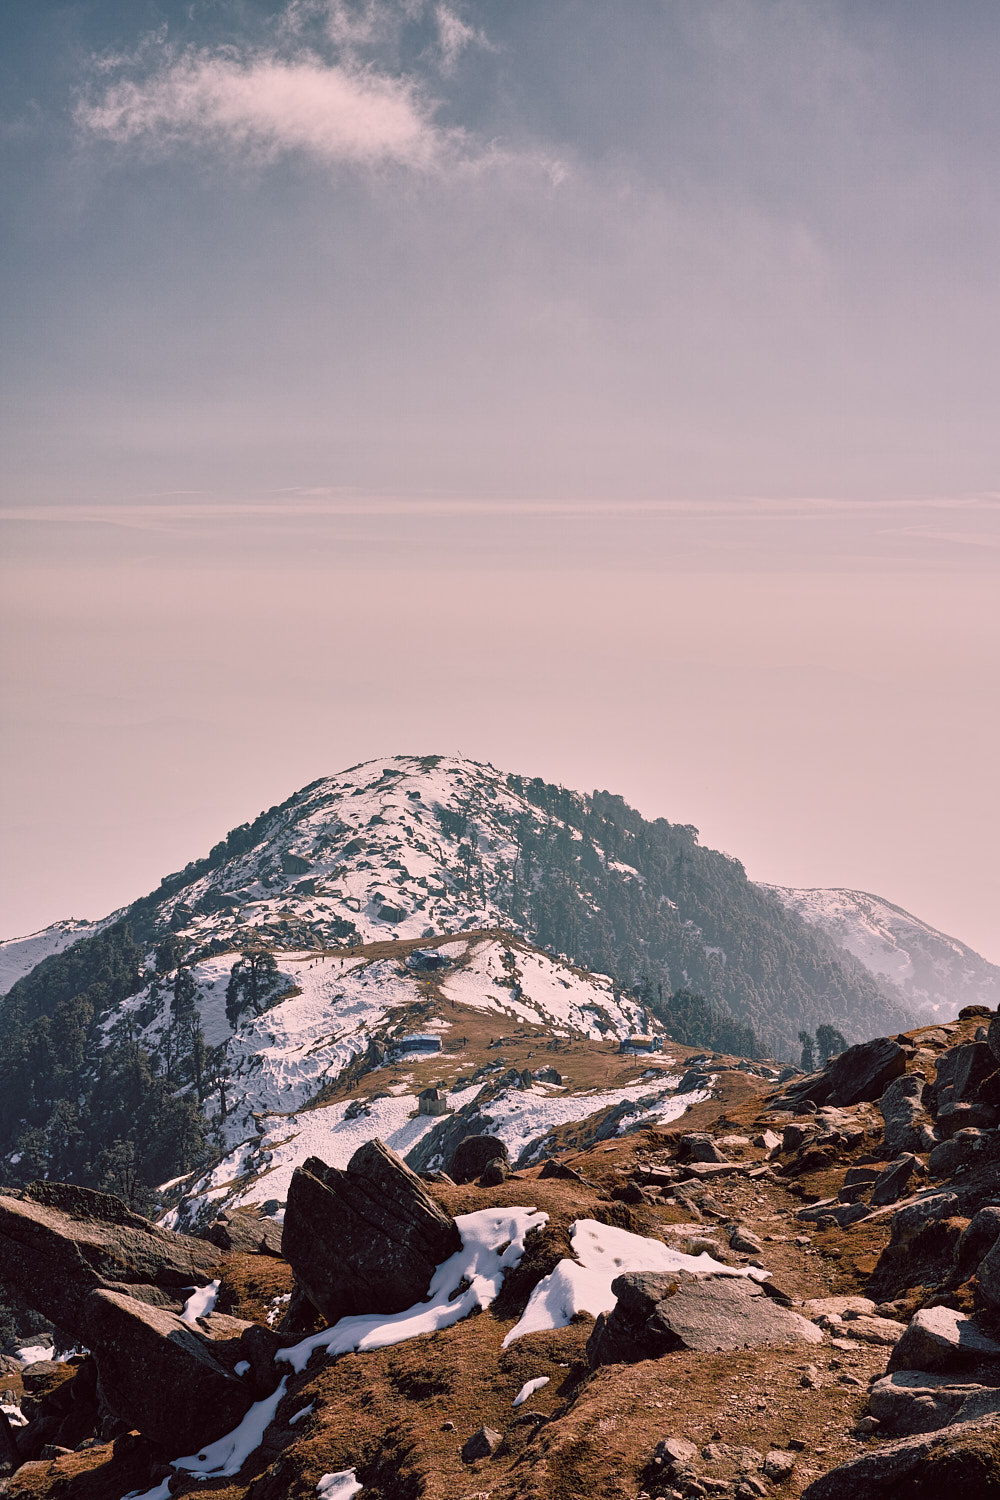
{"x":608,"y":391}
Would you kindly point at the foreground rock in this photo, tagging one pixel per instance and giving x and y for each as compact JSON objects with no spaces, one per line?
{"x":161,"y":1376}
{"x":364,"y":1240}
{"x":657,"y":1313}
{"x":61,"y":1243}
{"x":962,"y":1460}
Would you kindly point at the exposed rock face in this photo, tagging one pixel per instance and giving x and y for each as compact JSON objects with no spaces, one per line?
{"x":963,"y":1459}
{"x":62,"y":1243}
{"x":891,"y":1183}
{"x":366,"y":1239}
{"x":657,"y":1313}
{"x":977,"y":1241}
{"x":865,"y":1071}
{"x":473,"y":1155}
{"x":699,"y":1146}
{"x":160,"y":1375}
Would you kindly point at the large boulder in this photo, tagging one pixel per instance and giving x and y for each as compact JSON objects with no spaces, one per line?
{"x":941,"y":1339}
{"x":657,"y":1313}
{"x":911,"y":1401}
{"x":993,"y":1036}
{"x":966,"y":1090}
{"x":902,"y":1109}
{"x":473,"y":1155}
{"x":364,"y":1240}
{"x":60,"y":1243}
{"x":963,"y":1459}
{"x":160,"y":1375}
{"x":865,"y":1071}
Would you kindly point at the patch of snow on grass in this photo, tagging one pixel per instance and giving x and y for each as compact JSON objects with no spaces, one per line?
{"x":604,"y":1252}
{"x":528,"y":1389}
{"x":200,"y":1303}
{"x":339,"y":1486}
{"x":227,"y":1455}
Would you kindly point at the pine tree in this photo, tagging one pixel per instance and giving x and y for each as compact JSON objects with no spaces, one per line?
{"x":808,"y":1052}
{"x":254,"y":982}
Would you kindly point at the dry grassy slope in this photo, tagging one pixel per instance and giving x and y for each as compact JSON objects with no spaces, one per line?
{"x":400,"y":1415}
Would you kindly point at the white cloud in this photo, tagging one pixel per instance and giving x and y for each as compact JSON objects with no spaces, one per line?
{"x":264,"y":105}
{"x":454,"y":36}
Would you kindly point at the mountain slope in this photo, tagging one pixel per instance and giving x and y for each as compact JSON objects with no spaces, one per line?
{"x":934,"y":972}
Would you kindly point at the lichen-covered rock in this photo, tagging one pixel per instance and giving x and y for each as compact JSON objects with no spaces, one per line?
{"x":902,"y":1108}
{"x":941,"y":1339}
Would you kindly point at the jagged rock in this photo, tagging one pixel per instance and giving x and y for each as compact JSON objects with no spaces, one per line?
{"x":473,"y":1154}
{"x":794,"y":1136}
{"x":245,"y":1231}
{"x":988,"y":1274}
{"x":483,"y":1443}
{"x":554,"y":1168}
{"x":865,"y":1071}
{"x":743,"y":1241}
{"x":902,"y":1108}
{"x":912,"y":1401}
{"x":962,"y":1459}
{"x":842,"y":1214}
{"x":871,"y":1330}
{"x":494,"y":1173}
{"x":62,"y":1242}
{"x":656,"y":1313}
{"x":915,"y":1217}
{"x":675,"y":1450}
{"x":940,"y":1339}
{"x":966,"y":1091}
{"x":820,"y":1307}
{"x":778,"y":1464}
{"x":965,"y":1148}
{"x":993,"y":1036}
{"x":700,"y":1147}
{"x":366,"y":1239}
{"x":160,"y":1375}
{"x":767,"y":1141}
{"x":977,"y":1240}
{"x":891,"y":1183}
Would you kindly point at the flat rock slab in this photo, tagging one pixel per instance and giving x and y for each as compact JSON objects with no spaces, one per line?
{"x":160,"y":1375}
{"x":940,"y":1339}
{"x":364,"y":1240}
{"x":657,"y":1313}
{"x":62,"y":1243}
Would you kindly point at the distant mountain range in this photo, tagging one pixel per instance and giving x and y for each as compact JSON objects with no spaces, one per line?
{"x":933,"y":972}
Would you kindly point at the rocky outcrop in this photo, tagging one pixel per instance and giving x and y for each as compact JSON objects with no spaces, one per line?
{"x":245,"y":1231}
{"x":364,"y":1240}
{"x":657,"y":1313}
{"x":59,"y":1243}
{"x":162,"y":1376}
{"x":911,"y":1401}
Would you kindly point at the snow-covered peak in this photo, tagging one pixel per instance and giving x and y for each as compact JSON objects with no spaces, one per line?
{"x":404,"y":846}
{"x":934,"y":971}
